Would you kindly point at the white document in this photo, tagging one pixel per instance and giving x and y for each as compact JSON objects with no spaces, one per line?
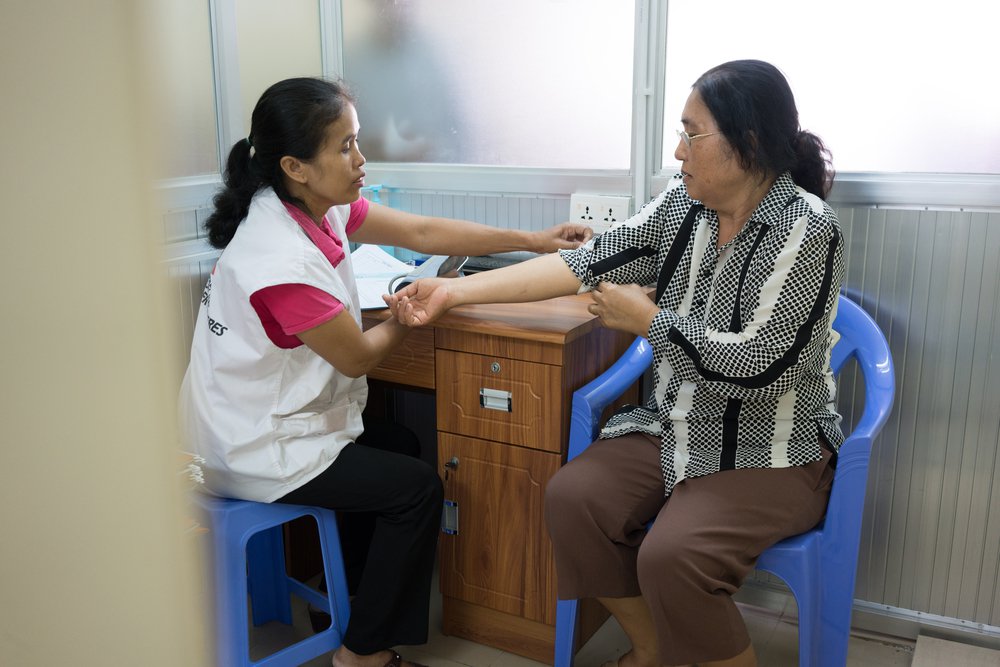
{"x":373,"y":269}
{"x":377,"y":272}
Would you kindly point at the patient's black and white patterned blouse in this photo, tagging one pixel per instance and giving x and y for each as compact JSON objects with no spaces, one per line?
{"x":741,"y":345}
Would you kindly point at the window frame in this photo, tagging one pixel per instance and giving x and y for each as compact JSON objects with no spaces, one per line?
{"x":644,"y":178}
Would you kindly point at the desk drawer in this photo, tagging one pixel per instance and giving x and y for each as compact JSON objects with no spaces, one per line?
{"x":499,"y":399}
{"x":412,"y":363}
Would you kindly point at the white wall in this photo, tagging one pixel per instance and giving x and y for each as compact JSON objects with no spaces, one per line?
{"x":95,"y":567}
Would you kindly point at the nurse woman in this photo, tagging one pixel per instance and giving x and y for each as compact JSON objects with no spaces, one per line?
{"x":273,"y":396}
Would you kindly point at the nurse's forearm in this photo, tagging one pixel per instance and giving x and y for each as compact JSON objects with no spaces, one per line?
{"x":381,"y":341}
{"x":350,"y":350}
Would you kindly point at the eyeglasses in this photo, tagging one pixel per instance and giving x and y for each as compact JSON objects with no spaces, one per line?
{"x":688,"y":138}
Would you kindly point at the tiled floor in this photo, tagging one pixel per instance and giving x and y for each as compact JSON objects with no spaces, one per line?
{"x":933,"y":652}
{"x":774,"y":636}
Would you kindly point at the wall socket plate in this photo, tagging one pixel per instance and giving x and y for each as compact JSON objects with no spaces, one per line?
{"x":598,"y":211}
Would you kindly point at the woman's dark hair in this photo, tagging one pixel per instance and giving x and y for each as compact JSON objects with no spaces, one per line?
{"x":755,"y":110}
{"x":290,"y":118}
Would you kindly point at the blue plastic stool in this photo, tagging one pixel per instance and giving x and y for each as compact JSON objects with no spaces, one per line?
{"x":248,"y":560}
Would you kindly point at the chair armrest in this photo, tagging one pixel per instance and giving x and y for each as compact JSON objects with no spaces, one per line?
{"x":590,"y":400}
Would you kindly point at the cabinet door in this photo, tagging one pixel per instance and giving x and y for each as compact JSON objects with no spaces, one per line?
{"x":501,"y":556}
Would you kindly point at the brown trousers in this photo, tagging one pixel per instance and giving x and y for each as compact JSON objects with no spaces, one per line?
{"x":705,"y":538}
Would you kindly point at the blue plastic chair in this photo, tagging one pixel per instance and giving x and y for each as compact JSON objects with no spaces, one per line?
{"x":248,"y":560}
{"x":820,"y":565}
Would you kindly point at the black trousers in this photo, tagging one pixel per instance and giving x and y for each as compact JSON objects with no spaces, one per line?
{"x":389,"y":511}
{"x":358,"y":528}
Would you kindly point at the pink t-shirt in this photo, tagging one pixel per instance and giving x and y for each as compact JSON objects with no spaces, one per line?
{"x":286,"y":310}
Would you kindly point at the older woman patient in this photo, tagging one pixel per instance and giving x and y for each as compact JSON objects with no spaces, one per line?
{"x":735,"y":448}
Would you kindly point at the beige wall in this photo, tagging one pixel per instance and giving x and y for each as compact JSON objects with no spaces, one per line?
{"x":95,"y":566}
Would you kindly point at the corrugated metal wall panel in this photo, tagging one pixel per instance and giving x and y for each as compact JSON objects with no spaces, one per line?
{"x":931,"y":540}
{"x":930,"y":279}
{"x":187,"y":282}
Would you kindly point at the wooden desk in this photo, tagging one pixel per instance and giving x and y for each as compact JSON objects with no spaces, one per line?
{"x":504,"y":376}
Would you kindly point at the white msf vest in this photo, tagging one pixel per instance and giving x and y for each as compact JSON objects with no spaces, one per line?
{"x":267,"y":420}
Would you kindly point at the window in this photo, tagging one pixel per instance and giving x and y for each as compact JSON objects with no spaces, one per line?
{"x":182,"y":69}
{"x":277,"y":40}
{"x":529,"y":83}
{"x":889,"y":87}
{"x":273,"y":41}
{"x":901,"y":94}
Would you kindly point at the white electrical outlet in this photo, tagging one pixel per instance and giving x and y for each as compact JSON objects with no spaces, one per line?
{"x":598,"y":211}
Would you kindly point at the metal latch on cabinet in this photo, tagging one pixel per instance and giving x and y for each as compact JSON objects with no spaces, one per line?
{"x":495,"y":399}
{"x":449,"y":518}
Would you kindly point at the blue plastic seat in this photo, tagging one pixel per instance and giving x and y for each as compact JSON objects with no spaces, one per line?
{"x":248,"y":560}
{"x":820,"y":565}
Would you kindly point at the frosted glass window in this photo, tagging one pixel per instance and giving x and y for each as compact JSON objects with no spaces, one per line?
{"x":276,"y":40}
{"x":888,"y":86}
{"x":531,"y":83}
{"x":184,"y":90}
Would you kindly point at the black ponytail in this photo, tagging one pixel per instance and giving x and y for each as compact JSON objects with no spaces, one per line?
{"x":813,"y":168}
{"x":233,"y":201}
{"x":290,"y":118}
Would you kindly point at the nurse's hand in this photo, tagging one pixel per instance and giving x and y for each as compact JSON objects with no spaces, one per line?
{"x":565,"y":236}
{"x":421,"y":302}
{"x":623,"y":307}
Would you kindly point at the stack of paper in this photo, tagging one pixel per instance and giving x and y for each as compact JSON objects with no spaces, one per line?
{"x":374,"y":268}
{"x":377,"y":272}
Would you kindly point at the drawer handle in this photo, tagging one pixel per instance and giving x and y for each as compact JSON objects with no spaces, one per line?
{"x":495,"y":399}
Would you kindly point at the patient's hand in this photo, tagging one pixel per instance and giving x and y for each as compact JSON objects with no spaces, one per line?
{"x":420,"y":302}
{"x":623,"y":307}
